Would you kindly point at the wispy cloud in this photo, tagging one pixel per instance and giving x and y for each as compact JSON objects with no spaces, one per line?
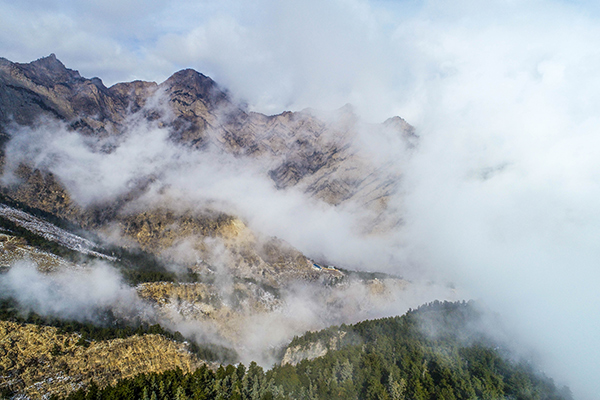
{"x":181,"y":178}
{"x":502,"y":195}
{"x":72,"y":294}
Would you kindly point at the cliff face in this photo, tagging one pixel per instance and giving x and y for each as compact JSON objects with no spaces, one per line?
{"x":316,"y":155}
{"x":311,"y":350}
{"x":46,"y":87}
{"x":299,"y":149}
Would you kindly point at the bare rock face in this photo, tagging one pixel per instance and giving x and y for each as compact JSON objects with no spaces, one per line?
{"x":133,"y":94}
{"x":47,"y":88}
{"x":317,"y":155}
{"x":217,"y":241}
{"x":294,"y":355}
{"x":311,"y":350}
{"x":299,"y":148}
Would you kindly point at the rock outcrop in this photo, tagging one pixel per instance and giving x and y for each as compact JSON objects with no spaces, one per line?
{"x":311,"y":350}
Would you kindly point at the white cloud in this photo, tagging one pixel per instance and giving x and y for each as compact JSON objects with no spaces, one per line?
{"x":196,"y":179}
{"x":502,"y":90}
{"x":503,"y":192}
{"x":74,"y":294}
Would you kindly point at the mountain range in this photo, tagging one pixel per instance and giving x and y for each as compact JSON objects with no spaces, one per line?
{"x":191,"y":256}
{"x":139,"y":235}
{"x":319,"y":157}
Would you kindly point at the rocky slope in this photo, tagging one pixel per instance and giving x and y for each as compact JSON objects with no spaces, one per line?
{"x":297,"y":148}
{"x":218,"y":306}
{"x":317,"y":155}
{"x":14,"y":249}
{"x":36,"y":361}
{"x":46,"y":88}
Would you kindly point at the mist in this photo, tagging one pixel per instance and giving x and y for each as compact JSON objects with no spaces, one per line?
{"x":76,"y":294}
{"x":501,"y":195}
{"x":183,"y":179}
{"x":97,"y":171}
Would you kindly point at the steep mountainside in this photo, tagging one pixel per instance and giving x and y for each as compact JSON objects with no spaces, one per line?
{"x":318,"y":156}
{"x":297,"y":149}
{"x":212,"y":307}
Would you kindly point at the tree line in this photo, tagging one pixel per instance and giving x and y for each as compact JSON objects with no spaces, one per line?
{"x":385,"y":359}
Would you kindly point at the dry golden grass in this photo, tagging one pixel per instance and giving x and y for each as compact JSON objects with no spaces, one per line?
{"x":37,"y":360}
{"x":13,"y":249}
{"x":202,"y":302}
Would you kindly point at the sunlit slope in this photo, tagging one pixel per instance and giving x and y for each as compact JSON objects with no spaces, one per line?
{"x":39,"y":360}
{"x":319,"y":155}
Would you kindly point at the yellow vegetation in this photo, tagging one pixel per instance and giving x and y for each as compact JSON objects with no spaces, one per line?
{"x":226,"y":310}
{"x":37,"y":360}
{"x":42,"y":190}
{"x":13,"y":249}
{"x":161,"y":228}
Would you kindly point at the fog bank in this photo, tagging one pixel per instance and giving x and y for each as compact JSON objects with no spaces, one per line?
{"x":77,"y":294}
{"x":502,"y":196}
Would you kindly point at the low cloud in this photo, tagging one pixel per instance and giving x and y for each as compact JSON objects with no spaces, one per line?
{"x":97,"y":171}
{"x":313,"y":307}
{"x":78,"y":294}
{"x":501,"y":196}
{"x":259,"y":333}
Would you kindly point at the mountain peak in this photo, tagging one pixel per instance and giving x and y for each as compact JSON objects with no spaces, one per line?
{"x":48,"y":59}
{"x":192,"y":79}
{"x":49,"y":63}
{"x":48,"y":71}
{"x":196,"y":84}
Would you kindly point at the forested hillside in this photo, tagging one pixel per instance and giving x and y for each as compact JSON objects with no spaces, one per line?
{"x":390,"y":358}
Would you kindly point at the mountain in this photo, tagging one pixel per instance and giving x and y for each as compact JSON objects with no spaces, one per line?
{"x":297,"y":148}
{"x":318,"y":157}
{"x":184,"y":259}
{"x":136,"y":251}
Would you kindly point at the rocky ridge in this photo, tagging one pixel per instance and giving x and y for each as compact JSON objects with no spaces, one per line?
{"x":294,"y":149}
{"x":298,"y":148}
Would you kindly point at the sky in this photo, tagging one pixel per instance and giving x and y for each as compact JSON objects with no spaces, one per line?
{"x":502,"y":195}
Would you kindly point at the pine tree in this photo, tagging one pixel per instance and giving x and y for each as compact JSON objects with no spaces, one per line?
{"x":255,"y":394}
{"x":346,"y":371}
{"x":397,"y":389}
{"x":161,"y":390}
{"x":180,"y":394}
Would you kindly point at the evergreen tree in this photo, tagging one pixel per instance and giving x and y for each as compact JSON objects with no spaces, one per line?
{"x":391,"y":358}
